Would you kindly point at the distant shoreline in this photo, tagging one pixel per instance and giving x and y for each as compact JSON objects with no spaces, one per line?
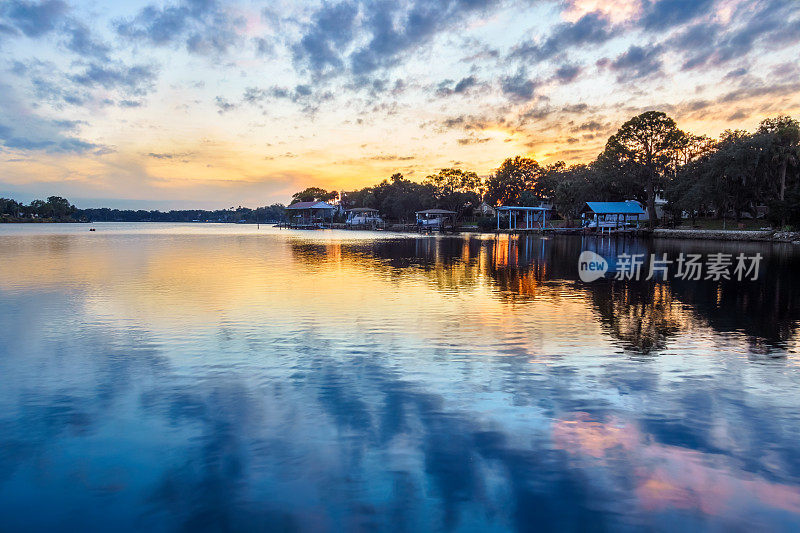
{"x":657,"y":233}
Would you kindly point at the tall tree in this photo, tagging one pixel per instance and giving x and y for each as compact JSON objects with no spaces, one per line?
{"x":785,"y":133}
{"x":455,"y":189}
{"x":314,"y":194}
{"x":571,"y":187}
{"x":514,"y":176}
{"x":649,"y":141}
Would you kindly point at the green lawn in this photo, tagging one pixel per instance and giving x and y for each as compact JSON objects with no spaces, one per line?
{"x":714,"y":224}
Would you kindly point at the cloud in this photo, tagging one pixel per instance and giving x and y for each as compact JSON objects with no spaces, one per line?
{"x":304,"y":95}
{"x":466,"y":122}
{"x":461,"y":87}
{"x":264,"y":47}
{"x":473,"y":140}
{"x":137,"y":79}
{"x":664,"y":14}
{"x":770,"y":90}
{"x":567,"y":73}
{"x":636,"y":62}
{"x":79,"y":40}
{"x":170,"y":155}
{"x":23,"y":129}
{"x":519,"y":87}
{"x":204,"y":27}
{"x":33,"y":18}
{"x":591,"y":125}
{"x":592,"y":28}
{"x":331,"y":29}
{"x":772,"y":24}
{"x":223,"y":105}
{"x":390,"y":157}
{"x":333,"y":38}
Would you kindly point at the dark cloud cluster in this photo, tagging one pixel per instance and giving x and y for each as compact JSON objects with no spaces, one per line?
{"x":664,"y":14}
{"x":636,"y":62}
{"x":451,"y":87}
{"x":333,"y":38}
{"x":202,"y":26}
{"x":591,"y":29}
{"x":79,"y":39}
{"x":519,"y":87}
{"x":136,"y":79}
{"x":774,"y":24}
{"x":567,"y":73}
{"x":307,"y":96}
{"x":33,"y":19}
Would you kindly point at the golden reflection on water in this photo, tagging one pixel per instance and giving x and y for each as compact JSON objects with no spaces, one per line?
{"x":165,"y":281}
{"x":499,"y":287}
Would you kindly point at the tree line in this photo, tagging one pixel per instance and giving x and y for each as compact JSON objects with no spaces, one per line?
{"x":740,"y":174}
{"x":54,"y":209}
{"x":648,"y":158}
{"x":57,"y":209}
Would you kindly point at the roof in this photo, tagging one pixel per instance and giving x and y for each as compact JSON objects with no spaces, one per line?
{"x":311,"y":205}
{"x":362,"y":210}
{"x":521,"y":208}
{"x":628,"y":207}
{"x":436,"y":212}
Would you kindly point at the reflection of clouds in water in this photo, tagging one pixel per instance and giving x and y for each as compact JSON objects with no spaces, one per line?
{"x":278,"y":394}
{"x":329,"y":433}
{"x":671,"y":477}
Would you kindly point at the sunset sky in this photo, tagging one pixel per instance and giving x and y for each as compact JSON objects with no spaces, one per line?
{"x":206,"y":104}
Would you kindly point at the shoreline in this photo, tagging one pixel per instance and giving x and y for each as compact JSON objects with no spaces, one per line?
{"x":728,"y":235}
{"x":776,"y":236}
{"x":792,"y":237}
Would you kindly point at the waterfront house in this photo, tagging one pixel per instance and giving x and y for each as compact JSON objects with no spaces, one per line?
{"x":363,"y":216}
{"x":611,"y":214}
{"x":522,"y":217}
{"x":485,"y":210}
{"x":310,"y":214}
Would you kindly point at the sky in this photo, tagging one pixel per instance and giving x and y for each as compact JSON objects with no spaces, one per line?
{"x":206,"y":104}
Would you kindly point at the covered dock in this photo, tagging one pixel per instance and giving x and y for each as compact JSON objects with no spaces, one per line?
{"x":363,"y":216}
{"x":430,"y":219}
{"x":611,"y":215}
{"x":533,"y":218}
{"x":310,"y":215}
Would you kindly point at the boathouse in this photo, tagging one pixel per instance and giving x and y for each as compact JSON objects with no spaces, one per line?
{"x":523,"y":218}
{"x":436,"y":219}
{"x":611,"y":214}
{"x":310,"y":214}
{"x":363,"y":216}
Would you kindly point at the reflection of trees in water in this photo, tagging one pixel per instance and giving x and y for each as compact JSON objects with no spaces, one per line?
{"x":642,"y":315}
{"x":767,"y":310}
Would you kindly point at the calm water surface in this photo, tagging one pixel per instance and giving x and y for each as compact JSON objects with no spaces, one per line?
{"x":164,"y":377}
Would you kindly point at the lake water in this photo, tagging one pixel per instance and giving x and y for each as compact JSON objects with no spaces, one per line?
{"x":222,"y":377}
